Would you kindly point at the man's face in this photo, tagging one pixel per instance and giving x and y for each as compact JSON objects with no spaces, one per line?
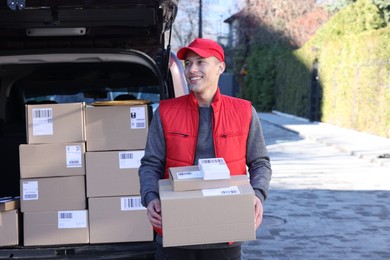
{"x":202,"y":74}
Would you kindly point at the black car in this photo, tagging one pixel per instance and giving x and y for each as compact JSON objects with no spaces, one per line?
{"x":80,"y":51}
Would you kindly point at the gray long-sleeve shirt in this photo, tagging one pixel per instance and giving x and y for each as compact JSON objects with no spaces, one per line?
{"x":153,"y":163}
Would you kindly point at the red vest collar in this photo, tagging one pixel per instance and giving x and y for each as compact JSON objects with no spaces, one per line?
{"x":216,"y":104}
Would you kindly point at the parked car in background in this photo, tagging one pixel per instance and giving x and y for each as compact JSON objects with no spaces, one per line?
{"x":80,"y":51}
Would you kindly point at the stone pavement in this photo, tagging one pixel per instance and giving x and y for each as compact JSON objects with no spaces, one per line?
{"x":329,"y":196}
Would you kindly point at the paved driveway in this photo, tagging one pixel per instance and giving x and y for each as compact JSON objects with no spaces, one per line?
{"x":323,"y":203}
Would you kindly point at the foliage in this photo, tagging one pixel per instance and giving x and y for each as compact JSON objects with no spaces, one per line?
{"x":335,"y":6}
{"x":282,"y":22}
{"x":384,"y":6}
{"x":353,"y":19}
{"x":268,"y":29}
{"x":260,"y":79}
{"x":354,"y":63}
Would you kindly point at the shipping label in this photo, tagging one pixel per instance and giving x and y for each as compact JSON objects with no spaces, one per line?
{"x":232,"y":190}
{"x":42,"y":121}
{"x":130,"y":159}
{"x":72,"y":219}
{"x":137,"y":118}
{"x":73,"y":156}
{"x":30,"y":190}
{"x":131,"y":203}
{"x":189,"y":175}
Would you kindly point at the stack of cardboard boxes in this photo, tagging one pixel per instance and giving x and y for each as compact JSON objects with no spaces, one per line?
{"x":199,"y":210}
{"x":79,"y":174}
{"x":116,"y":138}
{"x":52,"y":172}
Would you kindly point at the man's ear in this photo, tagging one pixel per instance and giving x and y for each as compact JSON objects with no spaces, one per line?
{"x":222,"y":67}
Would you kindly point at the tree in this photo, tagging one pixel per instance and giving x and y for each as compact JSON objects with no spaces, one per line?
{"x":284,"y":22}
{"x":335,"y":6}
{"x":185,"y":27}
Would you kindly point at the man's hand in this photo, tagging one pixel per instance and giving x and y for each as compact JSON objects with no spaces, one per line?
{"x":258,"y":211}
{"x":154,"y":213}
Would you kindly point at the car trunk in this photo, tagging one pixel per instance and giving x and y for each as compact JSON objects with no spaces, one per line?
{"x":64,"y":50}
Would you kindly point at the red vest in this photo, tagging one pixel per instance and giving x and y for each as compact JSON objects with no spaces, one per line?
{"x":231,"y":123}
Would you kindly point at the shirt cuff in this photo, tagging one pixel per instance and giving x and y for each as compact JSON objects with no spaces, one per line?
{"x":149,"y":197}
{"x":260,"y":195}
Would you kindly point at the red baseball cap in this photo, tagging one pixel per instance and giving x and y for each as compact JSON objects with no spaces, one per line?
{"x":204,"y":48}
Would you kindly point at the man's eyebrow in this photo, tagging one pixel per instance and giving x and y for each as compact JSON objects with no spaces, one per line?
{"x":195,"y":59}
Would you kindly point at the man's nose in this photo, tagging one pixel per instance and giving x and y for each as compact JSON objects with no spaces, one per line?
{"x":192,"y":67}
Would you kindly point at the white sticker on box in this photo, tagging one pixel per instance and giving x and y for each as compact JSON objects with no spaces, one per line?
{"x":130,"y":159}
{"x":73,"y":156}
{"x":72,"y":219}
{"x":137,"y":118}
{"x":232,"y":190}
{"x":131,"y":203}
{"x":30,"y":190}
{"x":189,"y":175}
{"x":212,"y":163}
{"x":42,"y":121}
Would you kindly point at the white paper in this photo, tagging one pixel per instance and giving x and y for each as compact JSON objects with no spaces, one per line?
{"x":212,"y":164}
{"x":137,"y":118}
{"x":30,"y":190}
{"x":72,"y":219}
{"x":73,"y":156}
{"x":214,"y":168}
{"x":232,"y":190}
{"x":130,"y":159}
{"x":189,"y":175}
{"x":42,"y":121}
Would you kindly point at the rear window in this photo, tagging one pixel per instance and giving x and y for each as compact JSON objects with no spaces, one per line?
{"x":84,"y":82}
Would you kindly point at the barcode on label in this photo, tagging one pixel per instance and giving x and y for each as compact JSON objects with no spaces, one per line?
{"x":189,"y":175}
{"x":126,"y":156}
{"x":66,"y":215}
{"x":181,"y":174}
{"x":30,"y":196}
{"x":227,"y":192}
{"x":74,"y":156}
{"x":232,"y":190}
{"x":42,"y":113}
{"x":74,"y":162}
{"x":72,"y":219}
{"x":140,"y":125}
{"x":214,"y":161}
{"x":131,"y":203}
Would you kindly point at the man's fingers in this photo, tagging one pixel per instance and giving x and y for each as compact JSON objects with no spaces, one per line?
{"x":154,"y":213}
{"x":258,"y":212}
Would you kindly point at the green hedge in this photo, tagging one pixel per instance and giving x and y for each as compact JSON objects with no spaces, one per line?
{"x":353,"y":52}
{"x":260,"y":79}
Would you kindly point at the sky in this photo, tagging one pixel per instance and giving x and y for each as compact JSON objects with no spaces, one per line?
{"x":216,"y":11}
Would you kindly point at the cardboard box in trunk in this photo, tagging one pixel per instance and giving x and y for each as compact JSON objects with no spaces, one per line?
{"x":51,"y":194}
{"x":9,"y":228}
{"x":51,"y":160}
{"x":9,"y":203}
{"x":122,"y":127}
{"x":113,"y":173}
{"x":118,"y":219}
{"x":55,"y":123}
{"x":55,"y":227}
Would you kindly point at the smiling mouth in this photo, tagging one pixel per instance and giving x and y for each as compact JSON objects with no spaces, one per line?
{"x":195,"y":78}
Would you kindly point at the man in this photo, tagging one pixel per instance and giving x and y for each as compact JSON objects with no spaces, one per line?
{"x":203,"y":124}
